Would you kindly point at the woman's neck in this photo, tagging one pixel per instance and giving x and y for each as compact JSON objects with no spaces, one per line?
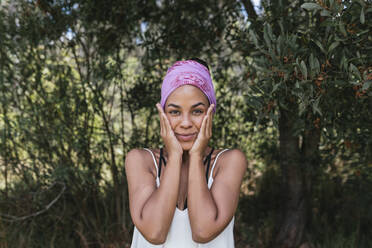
{"x":185,"y":158}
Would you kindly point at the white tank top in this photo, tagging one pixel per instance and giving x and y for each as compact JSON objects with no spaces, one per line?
{"x":179,"y":235}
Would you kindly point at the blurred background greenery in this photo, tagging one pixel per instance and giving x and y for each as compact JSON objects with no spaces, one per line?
{"x":79,"y":81}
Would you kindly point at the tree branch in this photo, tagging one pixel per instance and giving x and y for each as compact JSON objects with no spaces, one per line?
{"x":249,"y":8}
{"x":11,"y":218}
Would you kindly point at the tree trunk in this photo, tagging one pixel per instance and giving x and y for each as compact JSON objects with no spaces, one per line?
{"x":310,"y":160}
{"x":293,"y":212}
{"x":249,"y":8}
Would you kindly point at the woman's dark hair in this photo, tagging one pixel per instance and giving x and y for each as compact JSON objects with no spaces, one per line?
{"x":200,"y":61}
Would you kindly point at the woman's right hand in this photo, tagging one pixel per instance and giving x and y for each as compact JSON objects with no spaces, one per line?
{"x":171,"y":142}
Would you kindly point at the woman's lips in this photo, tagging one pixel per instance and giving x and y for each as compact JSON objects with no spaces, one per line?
{"x":185,"y":137}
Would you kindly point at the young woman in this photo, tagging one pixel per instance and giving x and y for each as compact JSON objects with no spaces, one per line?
{"x":186,"y":193}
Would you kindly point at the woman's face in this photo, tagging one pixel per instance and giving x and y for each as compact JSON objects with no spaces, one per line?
{"x":185,"y":108}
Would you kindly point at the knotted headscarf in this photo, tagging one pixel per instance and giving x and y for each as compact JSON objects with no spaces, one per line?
{"x":188,"y":72}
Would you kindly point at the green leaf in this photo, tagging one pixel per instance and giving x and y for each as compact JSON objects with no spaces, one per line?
{"x":311,"y":61}
{"x":302,"y":107}
{"x":317,"y":65}
{"x":315,"y":106}
{"x":342,"y":28}
{"x":320,"y":46}
{"x":362,"y":18}
{"x":270,"y":32}
{"x":343,"y":63}
{"x":254,"y":38}
{"x":333,"y":46}
{"x":281,"y":25}
{"x":341,"y":82}
{"x":352,"y":68}
{"x":366,"y":85}
{"x":255,"y":103}
{"x":362,"y":32}
{"x":311,"y":6}
{"x":266,"y":37}
{"x":325,"y":13}
{"x":275,"y":88}
{"x":314,"y":63}
{"x":303,"y":69}
{"x":278,"y":48}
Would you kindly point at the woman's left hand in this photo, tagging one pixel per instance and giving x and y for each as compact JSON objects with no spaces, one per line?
{"x":205,"y":133}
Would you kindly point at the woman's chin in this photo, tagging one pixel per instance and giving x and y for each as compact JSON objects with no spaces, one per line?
{"x":186,"y":146}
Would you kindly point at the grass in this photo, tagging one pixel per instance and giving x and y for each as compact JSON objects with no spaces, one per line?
{"x":340,"y":217}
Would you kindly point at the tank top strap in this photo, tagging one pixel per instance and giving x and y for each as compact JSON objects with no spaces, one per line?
{"x":161,"y":161}
{"x":156,"y":166}
{"x":207,"y":161}
{"x":214,"y":163}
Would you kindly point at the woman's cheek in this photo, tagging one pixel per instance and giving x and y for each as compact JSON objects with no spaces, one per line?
{"x":172,"y":121}
{"x":199,"y":121}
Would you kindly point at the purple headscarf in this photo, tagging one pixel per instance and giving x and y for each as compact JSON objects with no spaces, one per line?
{"x":188,"y":72}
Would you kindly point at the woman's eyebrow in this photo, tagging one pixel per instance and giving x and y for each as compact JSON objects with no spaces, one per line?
{"x":173,"y":105}
{"x":197,"y":104}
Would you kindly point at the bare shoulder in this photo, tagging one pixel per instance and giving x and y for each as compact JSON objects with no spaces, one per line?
{"x":234,"y":154}
{"x":135,"y":155}
{"x":139,"y":159}
{"x":233,"y":159}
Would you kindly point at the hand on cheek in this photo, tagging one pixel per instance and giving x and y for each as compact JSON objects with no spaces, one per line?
{"x":170,"y":141}
{"x":205,"y":133}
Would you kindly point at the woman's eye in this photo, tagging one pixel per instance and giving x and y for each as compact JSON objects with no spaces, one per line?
{"x":174,"y":112}
{"x":198,"y":111}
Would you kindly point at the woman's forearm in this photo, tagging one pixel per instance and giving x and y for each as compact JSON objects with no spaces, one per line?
{"x":157,"y":213}
{"x":203,"y":211}
{"x":210,"y":211}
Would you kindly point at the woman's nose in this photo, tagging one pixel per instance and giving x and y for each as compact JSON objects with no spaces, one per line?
{"x":186,"y":121}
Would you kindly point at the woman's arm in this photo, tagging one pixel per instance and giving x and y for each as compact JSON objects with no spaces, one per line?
{"x":210,"y":211}
{"x":152,"y":208}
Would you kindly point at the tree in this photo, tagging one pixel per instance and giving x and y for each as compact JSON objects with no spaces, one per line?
{"x":309,"y":73}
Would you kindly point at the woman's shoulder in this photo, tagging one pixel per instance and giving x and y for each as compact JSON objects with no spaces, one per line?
{"x":231,"y":158}
{"x":233,"y":153}
{"x":136,"y":153}
{"x":141,"y":156}
{"x":142,"y":152}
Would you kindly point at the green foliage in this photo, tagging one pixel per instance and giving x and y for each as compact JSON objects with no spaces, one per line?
{"x":306,"y":69}
{"x":79,"y":81}
{"x":315,"y":64}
